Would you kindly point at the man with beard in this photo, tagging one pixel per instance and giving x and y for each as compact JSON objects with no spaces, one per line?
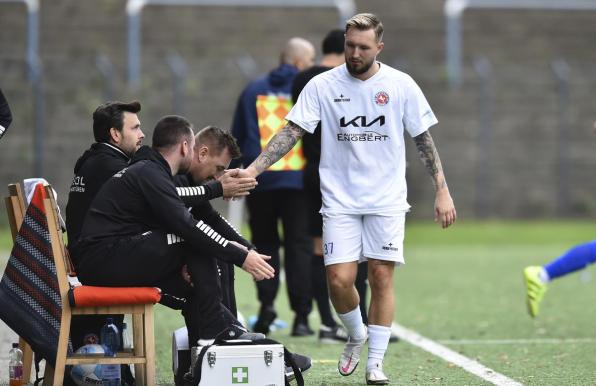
{"x":364,"y":107}
{"x":138,"y":231}
{"x":118,"y":135}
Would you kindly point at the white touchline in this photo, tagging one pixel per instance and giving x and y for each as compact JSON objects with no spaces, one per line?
{"x":451,"y":356}
{"x":517,"y":341}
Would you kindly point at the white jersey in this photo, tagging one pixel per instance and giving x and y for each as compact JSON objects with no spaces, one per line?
{"x":363,"y":163}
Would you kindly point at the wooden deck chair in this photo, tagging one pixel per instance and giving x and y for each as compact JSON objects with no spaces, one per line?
{"x":89,"y":300}
{"x":15,"y":209}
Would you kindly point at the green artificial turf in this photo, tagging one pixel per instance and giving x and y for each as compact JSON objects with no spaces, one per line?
{"x":464,"y":283}
{"x":463,"y":288}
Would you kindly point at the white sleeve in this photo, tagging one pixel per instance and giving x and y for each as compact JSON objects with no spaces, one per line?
{"x":306,"y":113}
{"x":418,"y":116}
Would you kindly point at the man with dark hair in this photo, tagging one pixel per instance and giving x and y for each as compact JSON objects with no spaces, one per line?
{"x":5,"y":114}
{"x":118,"y":135}
{"x":138,"y":231}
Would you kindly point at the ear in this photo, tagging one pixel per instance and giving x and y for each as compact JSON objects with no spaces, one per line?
{"x":184,"y":148}
{"x":380,"y":45}
{"x":115,"y":135}
{"x":203,"y":152}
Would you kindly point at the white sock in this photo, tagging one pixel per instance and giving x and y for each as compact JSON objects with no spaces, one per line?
{"x":378,"y":340}
{"x":544,"y":275}
{"x":353,"y":322}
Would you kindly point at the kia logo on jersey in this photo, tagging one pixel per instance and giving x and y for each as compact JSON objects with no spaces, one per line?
{"x":361,"y":121}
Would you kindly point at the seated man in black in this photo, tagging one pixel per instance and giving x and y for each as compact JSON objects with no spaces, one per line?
{"x":118,"y":135}
{"x":213,"y":151}
{"x":133,"y":231}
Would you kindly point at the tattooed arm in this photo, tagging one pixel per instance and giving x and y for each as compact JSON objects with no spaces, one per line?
{"x":444,"y":208}
{"x":277,"y":147}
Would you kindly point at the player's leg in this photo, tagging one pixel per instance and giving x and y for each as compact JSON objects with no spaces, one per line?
{"x":536,"y":277}
{"x":297,"y":257}
{"x":362,"y":288}
{"x":342,"y":248}
{"x":382,"y":308}
{"x":383,"y":246}
{"x":263,"y":226}
{"x":330,"y":331}
{"x":578,"y":257}
{"x":341,"y":278}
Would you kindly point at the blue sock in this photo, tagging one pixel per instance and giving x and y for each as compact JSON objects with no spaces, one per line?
{"x":573,"y":260}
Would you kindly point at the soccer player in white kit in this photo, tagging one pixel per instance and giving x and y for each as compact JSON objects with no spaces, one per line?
{"x":364,"y":107}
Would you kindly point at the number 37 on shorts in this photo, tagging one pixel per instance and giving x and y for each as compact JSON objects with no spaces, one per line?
{"x":328,"y":249}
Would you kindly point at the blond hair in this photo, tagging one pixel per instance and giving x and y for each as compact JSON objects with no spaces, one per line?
{"x":366,"y":21}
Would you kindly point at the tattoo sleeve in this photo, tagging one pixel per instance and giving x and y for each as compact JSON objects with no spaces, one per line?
{"x":430,"y":158}
{"x":278,"y":146}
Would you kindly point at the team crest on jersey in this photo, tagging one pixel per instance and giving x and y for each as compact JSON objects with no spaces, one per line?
{"x":381,"y":98}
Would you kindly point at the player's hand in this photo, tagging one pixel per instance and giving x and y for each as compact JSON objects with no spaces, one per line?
{"x":444,"y":208}
{"x":256,"y":264}
{"x":250,"y":171}
{"x":235,"y":185}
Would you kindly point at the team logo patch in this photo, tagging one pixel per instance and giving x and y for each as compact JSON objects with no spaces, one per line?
{"x":381,"y":98}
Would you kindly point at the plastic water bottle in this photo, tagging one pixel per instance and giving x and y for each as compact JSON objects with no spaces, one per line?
{"x":15,"y":365}
{"x":110,"y":339}
{"x":126,"y":342}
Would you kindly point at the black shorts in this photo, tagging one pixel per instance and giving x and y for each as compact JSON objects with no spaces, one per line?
{"x":312,"y":190}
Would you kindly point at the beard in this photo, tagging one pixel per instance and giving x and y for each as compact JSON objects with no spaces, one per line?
{"x":353,"y":70}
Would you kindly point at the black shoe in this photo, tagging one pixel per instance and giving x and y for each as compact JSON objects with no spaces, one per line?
{"x":234,"y":331}
{"x":301,"y":327}
{"x":303,"y":363}
{"x":336,"y":334}
{"x":266,"y":316}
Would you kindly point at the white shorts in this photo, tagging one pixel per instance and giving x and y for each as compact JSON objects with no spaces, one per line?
{"x":357,"y":237}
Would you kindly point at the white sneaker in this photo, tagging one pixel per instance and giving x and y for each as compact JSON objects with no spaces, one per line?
{"x":350,"y":357}
{"x":376,"y":377}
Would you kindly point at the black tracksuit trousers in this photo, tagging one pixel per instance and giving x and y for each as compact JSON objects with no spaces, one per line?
{"x":289,"y":206}
{"x":149,"y":260}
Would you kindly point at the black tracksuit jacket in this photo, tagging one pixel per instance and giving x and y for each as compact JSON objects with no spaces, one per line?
{"x":142,"y":198}
{"x":97,"y":164}
{"x":197,"y":197}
